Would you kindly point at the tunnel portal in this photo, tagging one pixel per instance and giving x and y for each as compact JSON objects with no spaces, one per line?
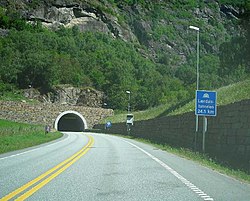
{"x":70,"y":121}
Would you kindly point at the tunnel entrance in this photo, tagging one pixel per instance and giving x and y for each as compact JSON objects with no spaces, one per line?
{"x":70,"y":121}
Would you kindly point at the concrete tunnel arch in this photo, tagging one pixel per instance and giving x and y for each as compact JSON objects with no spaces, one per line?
{"x":70,"y":121}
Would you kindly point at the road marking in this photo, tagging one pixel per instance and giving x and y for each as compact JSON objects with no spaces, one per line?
{"x":39,"y":182}
{"x":191,"y":186}
{"x":33,"y":149}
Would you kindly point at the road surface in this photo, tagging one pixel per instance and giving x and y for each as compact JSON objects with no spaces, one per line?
{"x":98,"y":167}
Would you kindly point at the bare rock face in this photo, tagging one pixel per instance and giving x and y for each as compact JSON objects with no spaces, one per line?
{"x":90,"y":97}
{"x":136,"y":24}
{"x":64,"y":94}
{"x":68,"y":95}
{"x":81,"y":14}
{"x":31,"y":93}
{"x":3,"y":32}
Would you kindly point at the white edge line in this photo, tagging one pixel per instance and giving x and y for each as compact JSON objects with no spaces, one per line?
{"x":173,"y":172}
{"x":34,"y":149}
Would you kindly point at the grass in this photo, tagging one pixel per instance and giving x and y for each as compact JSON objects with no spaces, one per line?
{"x":225,"y":95}
{"x":199,"y":158}
{"x":15,"y":136}
{"x":14,"y":96}
{"x":140,"y":115}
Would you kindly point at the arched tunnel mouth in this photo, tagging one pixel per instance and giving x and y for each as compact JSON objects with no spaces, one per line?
{"x":70,"y":121}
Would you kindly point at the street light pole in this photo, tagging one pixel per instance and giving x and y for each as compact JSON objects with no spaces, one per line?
{"x":197,"y":65}
{"x":197,"y":76}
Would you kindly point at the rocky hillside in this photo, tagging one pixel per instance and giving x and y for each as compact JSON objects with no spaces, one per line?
{"x":159,"y":29}
{"x":141,"y":45}
{"x":68,"y":95}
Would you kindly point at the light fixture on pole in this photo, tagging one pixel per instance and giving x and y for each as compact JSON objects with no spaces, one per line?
{"x":195,"y":28}
{"x":128,"y":92}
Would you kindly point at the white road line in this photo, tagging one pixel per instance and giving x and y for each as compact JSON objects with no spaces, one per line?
{"x":191,"y":186}
{"x":33,"y":149}
{"x":205,"y":196}
{"x":202,"y":194}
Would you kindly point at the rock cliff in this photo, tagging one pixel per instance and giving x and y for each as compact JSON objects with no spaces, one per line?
{"x":68,"y":95}
{"x":157,"y":27}
{"x":83,"y":14}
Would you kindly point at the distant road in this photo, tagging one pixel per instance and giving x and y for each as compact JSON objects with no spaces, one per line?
{"x":98,"y":167}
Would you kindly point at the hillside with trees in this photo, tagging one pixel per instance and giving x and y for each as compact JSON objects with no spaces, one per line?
{"x":146,"y":49}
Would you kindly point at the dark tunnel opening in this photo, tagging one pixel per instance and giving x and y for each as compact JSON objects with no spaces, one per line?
{"x":70,"y":122}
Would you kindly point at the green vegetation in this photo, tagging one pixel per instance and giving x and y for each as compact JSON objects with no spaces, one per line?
{"x":15,"y":136}
{"x":33,"y":55}
{"x":43,"y":58}
{"x":225,"y":95}
{"x":10,"y":93}
{"x":138,"y":115}
{"x":202,"y":159}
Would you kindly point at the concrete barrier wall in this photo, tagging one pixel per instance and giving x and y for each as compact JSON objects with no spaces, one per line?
{"x":227,"y":138}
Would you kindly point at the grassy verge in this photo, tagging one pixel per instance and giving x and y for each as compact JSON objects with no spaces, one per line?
{"x":139,"y":115}
{"x":14,"y":95}
{"x":202,"y":159}
{"x":15,"y":136}
{"x":226,"y":95}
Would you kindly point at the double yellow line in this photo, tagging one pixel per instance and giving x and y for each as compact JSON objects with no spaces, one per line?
{"x":41,"y":181}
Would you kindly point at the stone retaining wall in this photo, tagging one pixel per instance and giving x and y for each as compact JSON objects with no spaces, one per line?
{"x":44,"y":113}
{"x":227,"y":138}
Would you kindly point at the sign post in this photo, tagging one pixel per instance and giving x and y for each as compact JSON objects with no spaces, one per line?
{"x":108,"y":125}
{"x":129,"y":122}
{"x":205,"y":105}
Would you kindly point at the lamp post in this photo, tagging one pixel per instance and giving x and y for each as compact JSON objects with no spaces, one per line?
{"x":197,"y":29}
{"x":128,"y":92}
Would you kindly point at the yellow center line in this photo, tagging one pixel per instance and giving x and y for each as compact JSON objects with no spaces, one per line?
{"x":58,"y":168}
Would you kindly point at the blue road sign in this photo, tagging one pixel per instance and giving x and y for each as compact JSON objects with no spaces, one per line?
{"x":205,"y":103}
{"x":108,"y":124}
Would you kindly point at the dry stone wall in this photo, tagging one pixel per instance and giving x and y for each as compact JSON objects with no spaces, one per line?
{"x":227,"y":138}
{"x":46,"y":113}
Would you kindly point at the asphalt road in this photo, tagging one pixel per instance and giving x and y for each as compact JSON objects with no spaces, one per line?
{"x":103,"y":167}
